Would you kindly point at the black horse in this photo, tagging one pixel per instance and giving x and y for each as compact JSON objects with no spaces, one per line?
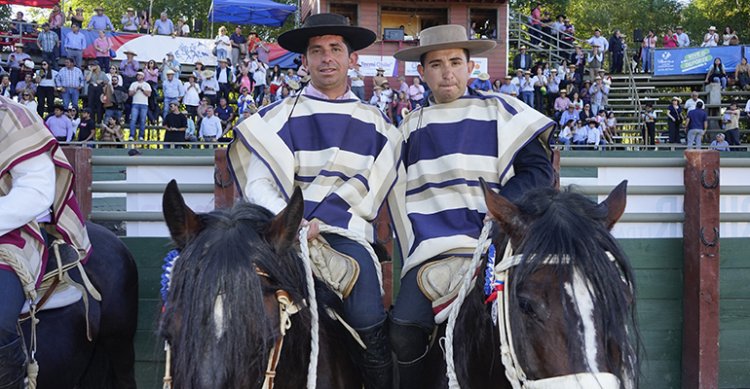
{"x":67,"y":359}
{"x":552,"y":306}
{"x":222,"y":315}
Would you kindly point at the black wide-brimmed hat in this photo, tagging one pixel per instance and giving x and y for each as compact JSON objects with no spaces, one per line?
{"x":326,"y":24}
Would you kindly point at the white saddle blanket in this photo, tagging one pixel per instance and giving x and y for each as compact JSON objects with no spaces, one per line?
{"x":63,"y":296}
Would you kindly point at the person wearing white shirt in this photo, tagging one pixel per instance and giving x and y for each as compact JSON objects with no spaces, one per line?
{"x":211,"y":129}
{"x":566,"y":135}
{"x":599,"y":40}
{"x":692,"y":101}
{"x":711,"y":39}
{"x":593,"y":133}
{"x":192,"y":96}
{"x":357,"y":80}
{"x":540,"y":83}
{"x":526,"y":86}
{"x":140,"y":90}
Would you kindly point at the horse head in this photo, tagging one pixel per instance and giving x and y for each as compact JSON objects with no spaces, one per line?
{"x":233,"y":286}
{"x":569,"y":292}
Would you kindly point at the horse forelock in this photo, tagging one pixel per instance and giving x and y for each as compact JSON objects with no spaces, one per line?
{"x":223,"y":335}
{"x":568,"y":225}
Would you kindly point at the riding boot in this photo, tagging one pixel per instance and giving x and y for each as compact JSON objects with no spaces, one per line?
{"x":12,"y":365}
{"x":410,"y":343}
{"x":375,"y":362}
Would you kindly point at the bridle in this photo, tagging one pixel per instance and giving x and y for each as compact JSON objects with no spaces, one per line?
{"x":287,"y":309}
{"x":513,"y":370}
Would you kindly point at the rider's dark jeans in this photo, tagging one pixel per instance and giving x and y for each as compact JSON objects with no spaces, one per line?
{"x":412,"y":307}
{"x":12,"y":299}
{"x":364,"y":306}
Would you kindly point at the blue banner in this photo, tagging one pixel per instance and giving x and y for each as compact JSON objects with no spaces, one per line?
{"x":694,"y":60}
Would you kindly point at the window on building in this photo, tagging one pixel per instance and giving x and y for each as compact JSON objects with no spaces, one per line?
{"x":346,"y":9}
{"x":411,"y":20}
{"x":483,"y":23}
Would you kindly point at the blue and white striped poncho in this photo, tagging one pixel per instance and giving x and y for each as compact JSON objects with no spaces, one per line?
{"x":343,"y":154}
{"x":438,"y":208}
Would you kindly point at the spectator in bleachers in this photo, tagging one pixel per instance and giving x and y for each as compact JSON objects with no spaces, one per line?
{"x":223,"y":44}
{"x":580,"y":133}
{"x":717,"y":73}
{"x":697,"y":123}
{"x":69,"y":81}
{"x":593,"y":133}
{"x":674,"y":120}
{"x":526,"y":87}
{"x":719,"y":144}
{"x":576,"y":102}
{"x":245,"y":101}
{"x":210,"y":87}
{"x":558,"y":27}
{"x":357,"y":81}
{"x":198,"y":69}
{"x":45,"y":78}
{"x":729,"y":37}
{"x":26,"y":97}
{"x":565,"y":137}
{"x":48,"y":43}
{"x":669,"y":40}
{"x":76,"y":19}
{"x":244,"y":79}
{"x":102,"y":45}
{"x":15,"y":61}
{"x":26,"y":84}
{"x":601,"y":119}
{"x":20,"y":25}
{"x":192,"y":96}
{"x":693,"y":101}
{"x":182,"y":28}
{"x":517,"y":80}
{"x":175,"y":123}
{"x":617,"y":48}
{"x":599,"y":40}
{"x":96,"y":79}
{"x":100,"y":21}
{"x":496,"y":85}
{"x":731,"y":121}
{"x":742,"y":74}
{"x":569,"y":36}
{"x":683,"y":40}
{"x":586,"y":113}
{"x":113,"y":71}
{"x":74,"y":44}
{"x":522,"y":59}
{"x":540,"y":89}
{"x":140,"y":90}
{"x":584,"y":92}
{"x":86,"y":128}
{"x":711,"y":38}
{"x":60,"y":125}
{"x":130,"y":21}
{"x":115,"y":97}
{"x":578,"y":59}
{"x":226,"y":79}
{"x":648,"y":131}
{"x":239,"y":45}
{"x":75,"y":119}
{"x":111,"y":131}
{"x":553,"y":88}
{"x":226,"y":114}
{"x":170,"y":63}
{"x":508,"y":87}
{"x":259,"y":69}
{"x":611,"y":127}
{"x":164,"y":25}
{"x":563,"y":105}
{"x":211,"y":129}
{"x":56,"y":20}
{"x":598,"y":91}
{"x":145,"y":25}
{"x":647,"y":50}
{"x":536,"y":23}
{"x":129,"y":67}
{"x":173,"y":91}
{"x":482,"y":82}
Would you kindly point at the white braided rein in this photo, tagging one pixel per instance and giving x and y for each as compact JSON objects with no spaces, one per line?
{"x":482,"y":244}
{"x":312,"y":367}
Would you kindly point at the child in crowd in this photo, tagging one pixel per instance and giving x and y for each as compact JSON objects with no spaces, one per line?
{"x":566,"y":135}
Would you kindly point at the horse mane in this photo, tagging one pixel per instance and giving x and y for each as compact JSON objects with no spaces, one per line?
{"x":567,"y":224}
{"x":222,"y":260}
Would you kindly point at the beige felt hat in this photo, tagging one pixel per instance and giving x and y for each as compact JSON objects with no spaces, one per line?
{"x":448,"y":36}
{"x":483,"y":76}
{"x":208,"y":73}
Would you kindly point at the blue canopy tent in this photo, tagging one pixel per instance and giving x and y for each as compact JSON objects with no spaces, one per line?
{"x":250,"y":12}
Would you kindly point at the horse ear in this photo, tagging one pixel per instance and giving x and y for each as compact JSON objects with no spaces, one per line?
{"x":504,"y":211}
{"x":182,"y":222}
{"x":615,"y":203}
{"x":283,"y":229}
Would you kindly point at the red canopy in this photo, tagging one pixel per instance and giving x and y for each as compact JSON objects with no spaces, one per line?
{"x":32,"y":3}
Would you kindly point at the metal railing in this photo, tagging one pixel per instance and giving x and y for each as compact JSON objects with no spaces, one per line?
{"x":552,"y":45}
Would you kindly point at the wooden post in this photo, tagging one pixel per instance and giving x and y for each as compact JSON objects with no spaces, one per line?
{"x":80,"y":159}
{"x":225,"y":192}
{"x":700,"y":334}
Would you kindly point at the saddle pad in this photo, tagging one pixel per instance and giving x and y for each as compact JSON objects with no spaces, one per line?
{"x":64,"y":295}
{"x":440,"y":281}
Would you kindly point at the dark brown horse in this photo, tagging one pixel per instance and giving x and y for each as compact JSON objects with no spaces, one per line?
{"x":67,"y":359}
{"x":566,"y":316}
{"x":222,"y":315}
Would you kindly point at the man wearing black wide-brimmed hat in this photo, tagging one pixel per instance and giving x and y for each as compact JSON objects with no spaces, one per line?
{"x":343,"y":154}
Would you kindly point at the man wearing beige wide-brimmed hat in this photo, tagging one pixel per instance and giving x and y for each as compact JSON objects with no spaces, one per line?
{"x":457,"y":137}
